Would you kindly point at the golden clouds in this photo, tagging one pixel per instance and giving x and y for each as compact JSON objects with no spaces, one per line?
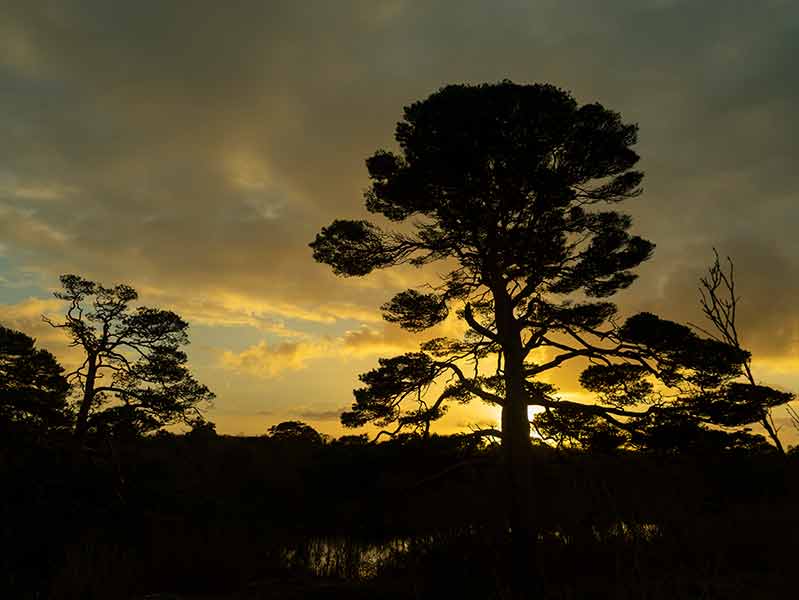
{"x":26,"y":316}
{"x":34,"y":190}
{"x":384,"y":341}
{"x":194,"y":153}
{"x":272,"y":360}
{"x":18,"y":50}
{"x":220,"y":307}
{"x":370,"y":340}
{"x":246,"y":170}
{"x":29,"y":312}
{"x":25,"y":226}
{"x":267,"y":361}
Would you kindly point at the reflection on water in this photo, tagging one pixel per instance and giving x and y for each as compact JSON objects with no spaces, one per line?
{"x":350,"y":558}
{"x":343,"y":556}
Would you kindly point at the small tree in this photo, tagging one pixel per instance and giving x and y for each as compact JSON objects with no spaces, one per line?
{"x":295,"y":432}
{"x":33,"y":389}
{"x":719,"y":304}
{"x":134,"y":375}
{"x":710,"y":396}
{"x":200,"y":427}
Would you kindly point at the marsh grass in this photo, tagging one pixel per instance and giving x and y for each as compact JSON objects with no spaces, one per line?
{"x":233,"y":518}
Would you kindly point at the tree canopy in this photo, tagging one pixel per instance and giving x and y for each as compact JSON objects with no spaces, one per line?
{"x":714,"y":394}
{"x":33,"y":389}
{"x":295,"y":432}
{"x":502,"y":181}
{"x":134,"y":376}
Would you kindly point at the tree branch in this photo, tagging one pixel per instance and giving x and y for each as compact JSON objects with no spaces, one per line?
{"x":471,"y":385}
{"x":484,"y":331}
{"x":593,"y":409}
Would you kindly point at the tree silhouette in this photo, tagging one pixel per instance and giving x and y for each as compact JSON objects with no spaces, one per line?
{"x":33,"y":389}
{"x":200,"y":429}
{"x":295,"y":432}
{"x":503,"y":182}
{"x":720,"y":304}
{"x":692,"y":386}
{"x":134,"y":377}
{"x":715,"y":390}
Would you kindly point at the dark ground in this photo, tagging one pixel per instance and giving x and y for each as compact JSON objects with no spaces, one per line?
{"x":221,"y":517}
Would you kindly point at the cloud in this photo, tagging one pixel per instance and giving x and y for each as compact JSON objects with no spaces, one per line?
{"x":26,"y":316}
{"x":28,"y":313}
{"x":370,"y":340}
{"x":268,"y":361}
{"x":386,"y":340}
{"x":766,"y":285}
{"x":194,"y":153}
{"x":322,"y":415}
{"x":43,"y":191}
{"x":210,"y":165}
{"x":225,"y":311}
{"x":24,"y":227}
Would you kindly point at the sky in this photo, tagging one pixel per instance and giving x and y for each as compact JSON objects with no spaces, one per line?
{"x":194,"y":149}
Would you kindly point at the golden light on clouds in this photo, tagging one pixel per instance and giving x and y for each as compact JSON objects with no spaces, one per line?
{"x":246,"y":170}
{"x":271,"y":360}
{"x":199,"y":165}
{"x":267,"y":361}
{"x":26,"y":316}
{"x":29,"y":227}
{"x":18,"y":51}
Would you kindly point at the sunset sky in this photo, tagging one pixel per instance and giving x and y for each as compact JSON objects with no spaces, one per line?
{"x":194,"y":149}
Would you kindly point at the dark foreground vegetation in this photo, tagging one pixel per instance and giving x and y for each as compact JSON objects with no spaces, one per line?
{"x":207,"y":516}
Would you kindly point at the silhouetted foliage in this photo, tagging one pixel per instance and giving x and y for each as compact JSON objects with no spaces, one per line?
{"x":705,"y":375}
{"x":505,"y":181}
{"x":201,"y":429}
{"x":662,"y":431}
{"x":134,"y":377}
{"x":296,"y":432}
{"x":33,"y":389}
{"x":573,"y":427}
{"x":352,"y":440}
{"x":719,"y":304}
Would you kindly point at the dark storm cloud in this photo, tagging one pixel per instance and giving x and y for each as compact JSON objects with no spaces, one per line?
{"x":199,"y":146}
{"x":766,"y":285}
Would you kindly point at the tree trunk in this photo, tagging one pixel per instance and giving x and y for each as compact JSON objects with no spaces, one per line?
{"x":766,"y":420}
{"x":82,"y":422}
{"x":772,"y":433}
{"x":516,"y":452}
